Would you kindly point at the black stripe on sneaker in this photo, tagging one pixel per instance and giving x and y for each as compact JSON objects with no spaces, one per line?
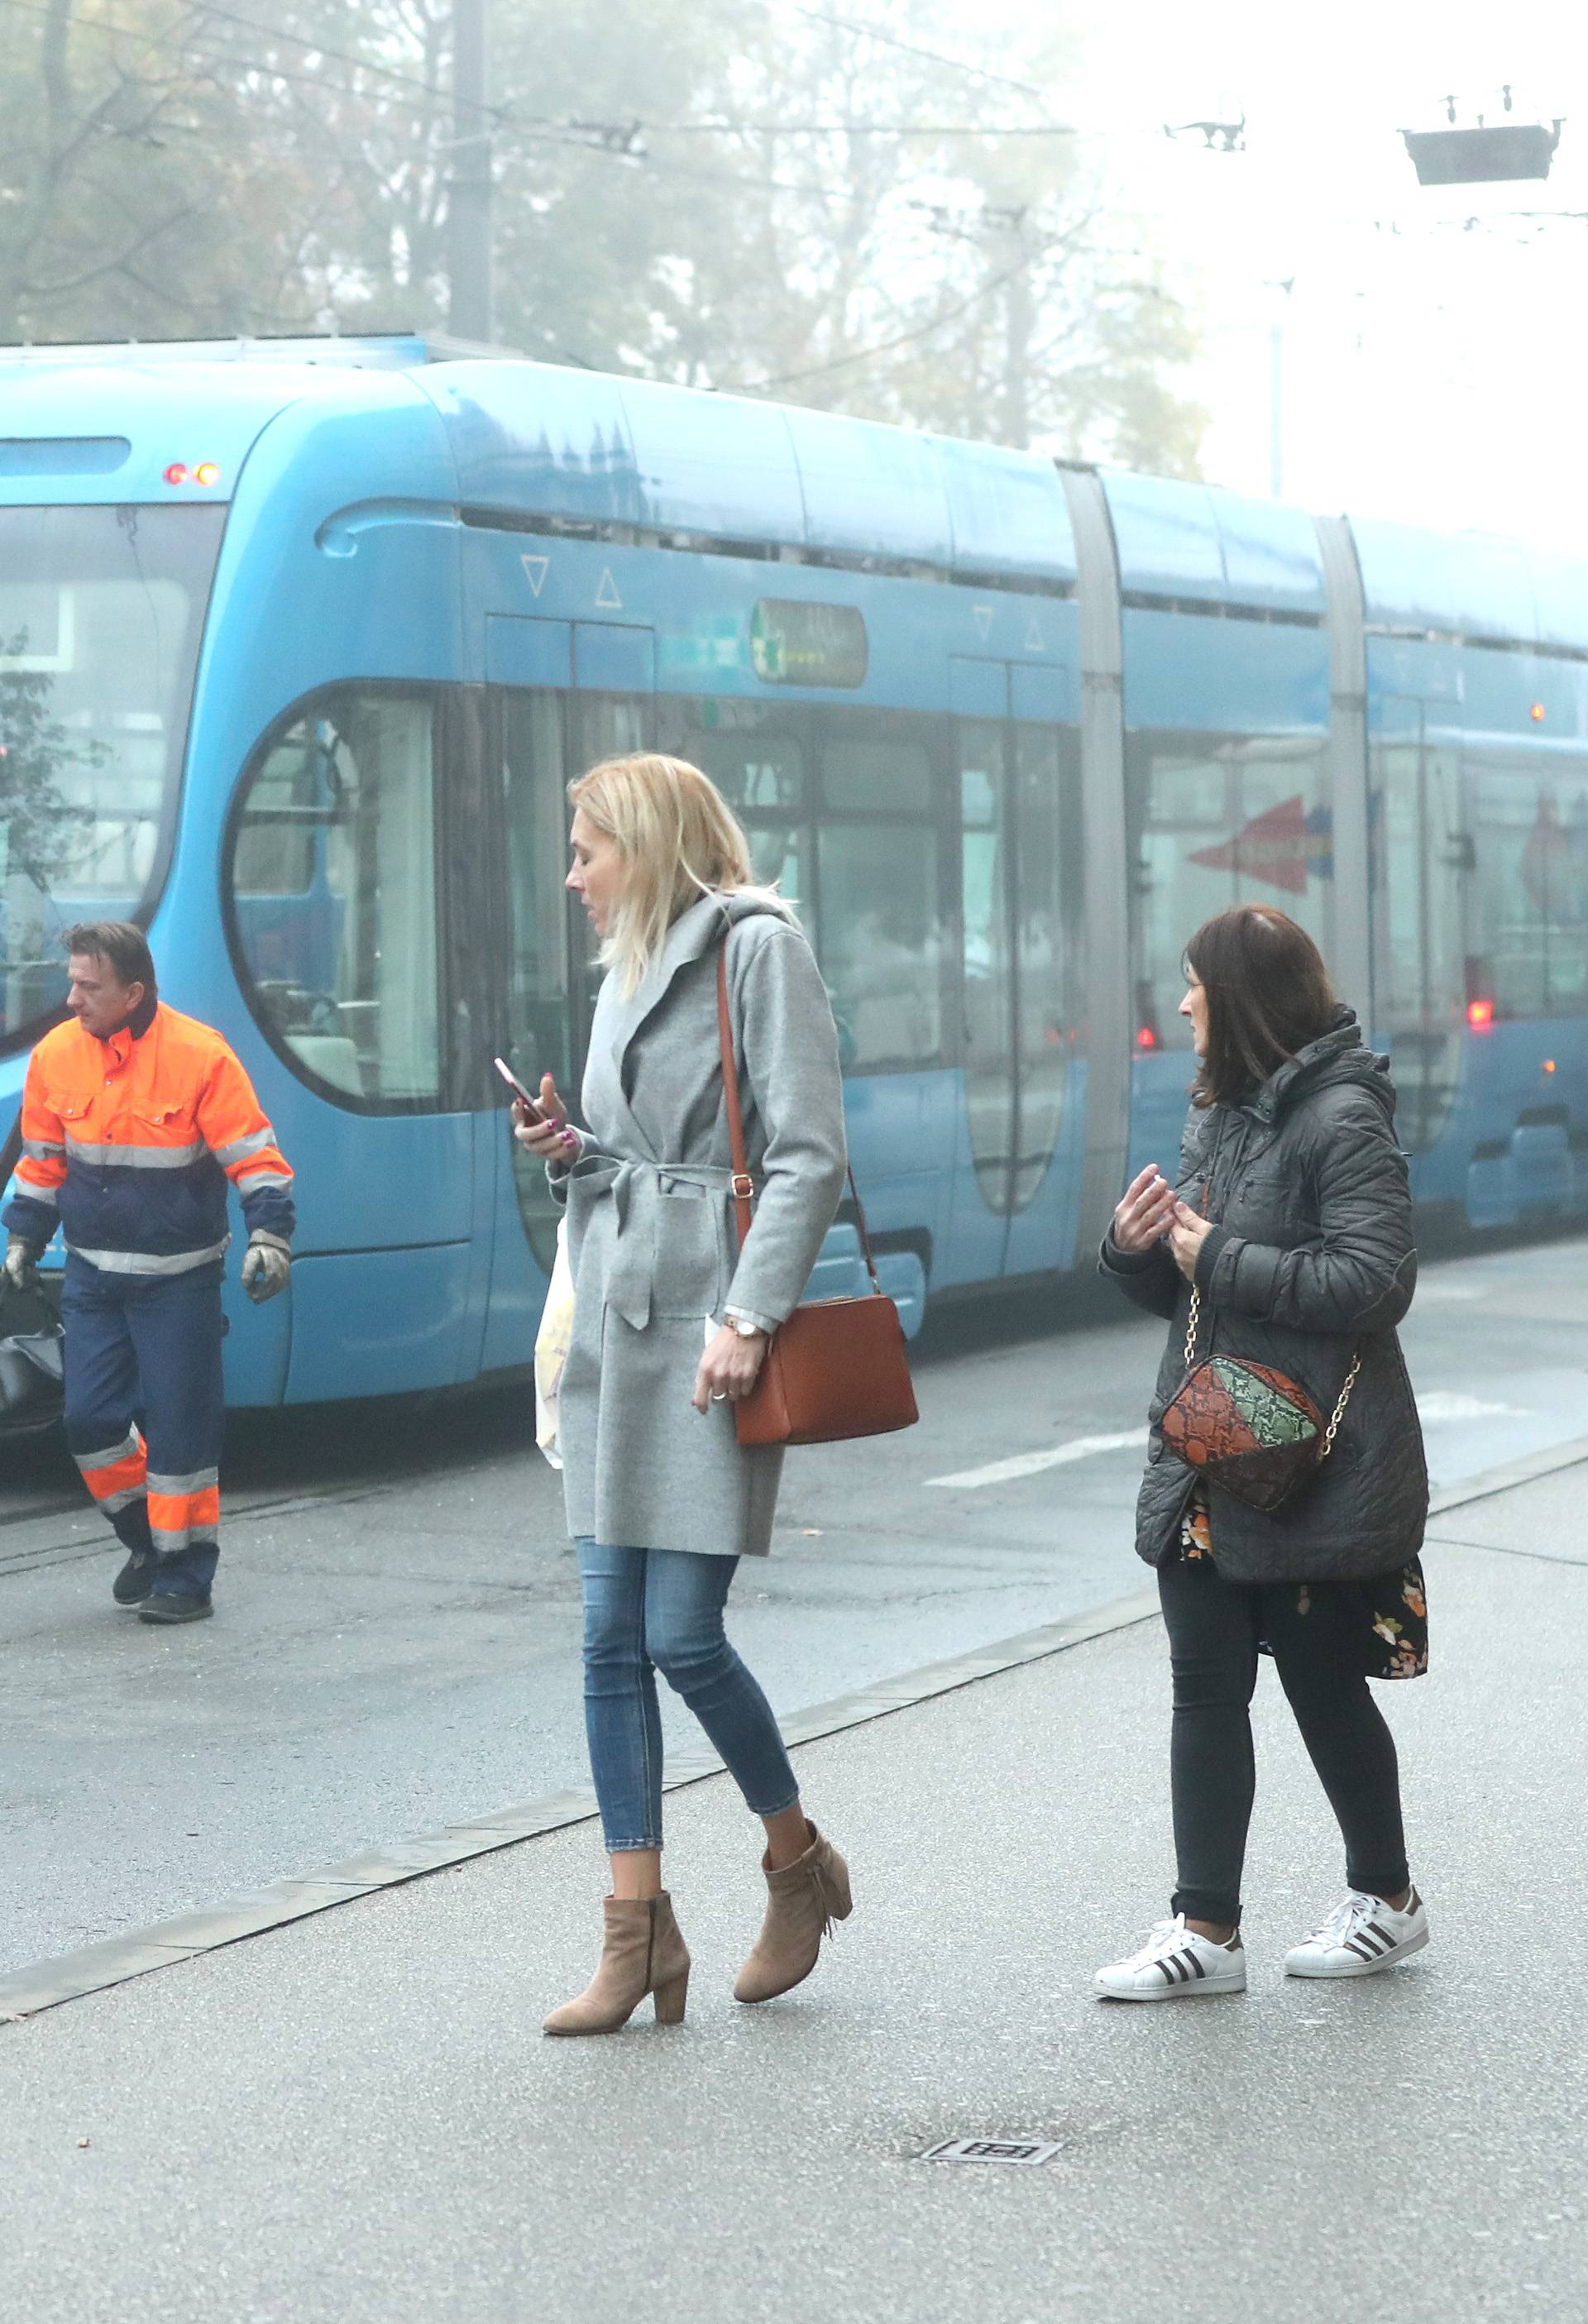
{"x":1170,"y":1969}
{"x":1362,"y":1952}
{"x":1196,"y":1964}
{"x":1373,"y":1930}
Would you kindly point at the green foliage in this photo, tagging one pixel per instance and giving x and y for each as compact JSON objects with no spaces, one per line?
{"x":39,"y":829}
{"x":181,"y":171}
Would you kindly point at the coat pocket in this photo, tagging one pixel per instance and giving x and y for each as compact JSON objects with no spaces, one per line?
{"x":690,"y":1226}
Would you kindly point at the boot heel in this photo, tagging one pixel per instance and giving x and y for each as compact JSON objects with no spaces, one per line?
{"x":670,"y":2000}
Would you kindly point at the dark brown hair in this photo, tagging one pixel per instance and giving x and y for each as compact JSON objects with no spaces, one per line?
{"x":1269,"y":994}
{"x":117,"y":942}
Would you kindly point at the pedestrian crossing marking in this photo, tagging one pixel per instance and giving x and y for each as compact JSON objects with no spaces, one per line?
{"x":535,"y":571}
{"x":607,"y":594}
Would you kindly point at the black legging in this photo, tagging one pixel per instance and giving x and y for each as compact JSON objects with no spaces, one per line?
{"x":1213,"y":1630}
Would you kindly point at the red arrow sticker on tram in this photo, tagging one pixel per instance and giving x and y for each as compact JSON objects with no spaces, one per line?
{"x":1281,"y":847}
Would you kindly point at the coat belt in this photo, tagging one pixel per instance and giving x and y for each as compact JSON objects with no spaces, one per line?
{"x":637,"y":1190}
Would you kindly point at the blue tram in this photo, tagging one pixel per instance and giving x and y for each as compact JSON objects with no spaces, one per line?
{"x":298,"y":650}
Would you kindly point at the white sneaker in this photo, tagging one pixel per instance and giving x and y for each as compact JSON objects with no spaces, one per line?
{"x":1173,"y":1961}
{"x":1360,"y":1936}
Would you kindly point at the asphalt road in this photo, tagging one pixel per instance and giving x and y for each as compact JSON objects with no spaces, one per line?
{"x":396,"y":1644}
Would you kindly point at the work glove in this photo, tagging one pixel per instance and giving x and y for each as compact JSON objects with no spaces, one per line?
{"x":266,"y":1263}
{"x":20,"y":1266}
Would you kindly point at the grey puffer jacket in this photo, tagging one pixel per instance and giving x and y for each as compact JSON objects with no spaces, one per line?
{"x":1311,"y":1256}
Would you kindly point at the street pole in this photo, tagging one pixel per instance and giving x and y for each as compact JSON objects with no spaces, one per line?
{"x":1276,"y":409}
{"x":468,"y":213}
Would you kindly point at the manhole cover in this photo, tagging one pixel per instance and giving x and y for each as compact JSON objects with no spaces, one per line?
{"x":992,"y":2150}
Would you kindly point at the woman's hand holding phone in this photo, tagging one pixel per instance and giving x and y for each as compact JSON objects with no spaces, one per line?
{"x":544,"y":1132}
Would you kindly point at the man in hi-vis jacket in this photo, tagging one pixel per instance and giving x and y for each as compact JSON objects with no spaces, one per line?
{"x":133,"y":1117}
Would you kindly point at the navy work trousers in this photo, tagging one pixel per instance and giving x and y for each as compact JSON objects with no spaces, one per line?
{"x":146,"y":1410}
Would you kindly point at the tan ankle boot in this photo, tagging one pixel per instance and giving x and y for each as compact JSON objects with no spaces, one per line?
{"x":803,"y":1901}
{"x":644,"y":1952}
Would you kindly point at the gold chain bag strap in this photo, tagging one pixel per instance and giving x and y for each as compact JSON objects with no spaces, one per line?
{"x":836,"y":1367}
{"x":1248,"y":1428}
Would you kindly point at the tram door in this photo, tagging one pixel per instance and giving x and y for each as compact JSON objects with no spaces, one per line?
{"x":1420,"y":854}
{"x":1020,"y":899}
{"x":541,"y":731}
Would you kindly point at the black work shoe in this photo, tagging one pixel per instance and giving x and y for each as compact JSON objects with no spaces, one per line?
{"x":177,"y":1606}
{"x":134,"y":1581}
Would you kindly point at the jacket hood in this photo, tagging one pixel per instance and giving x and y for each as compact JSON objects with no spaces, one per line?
{"x":1336,"y":1057}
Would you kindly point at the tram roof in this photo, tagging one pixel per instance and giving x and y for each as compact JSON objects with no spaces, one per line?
{"x":540,"y":441}
{"x":1471,"y":585}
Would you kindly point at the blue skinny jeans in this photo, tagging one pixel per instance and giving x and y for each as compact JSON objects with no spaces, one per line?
{"x":662,"y":1609}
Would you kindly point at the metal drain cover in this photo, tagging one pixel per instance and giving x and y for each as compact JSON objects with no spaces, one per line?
{"x":992,"y":2150}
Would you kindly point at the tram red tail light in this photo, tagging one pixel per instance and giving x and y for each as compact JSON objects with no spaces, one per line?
{"x":206,"y":472}
{"x":1481,"y":1015}
{"x":177,"y":473}
{"x":1146,"y":1039}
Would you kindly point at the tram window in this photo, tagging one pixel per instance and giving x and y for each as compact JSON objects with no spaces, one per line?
{"x":880,"y":930}
{"x":876,"y":775}
{"x":343,"y":973}
{"x":275,"y":855}
{"x":1216,"y":821}
{"x":610,"y":726}
{"x":101,"y":610}
{"x":1418,"y":854}
{"x":757,"y":774}
{"x":881,"y":941}
{"x":1530,"y":829}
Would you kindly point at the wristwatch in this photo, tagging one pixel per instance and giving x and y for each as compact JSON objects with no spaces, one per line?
{"x":744,"y":1327}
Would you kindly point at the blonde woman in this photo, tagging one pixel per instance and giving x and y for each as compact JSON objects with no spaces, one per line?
{"x":671,"y":1324}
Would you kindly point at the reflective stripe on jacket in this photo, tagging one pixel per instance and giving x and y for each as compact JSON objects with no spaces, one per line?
{"x":127,"y":1145}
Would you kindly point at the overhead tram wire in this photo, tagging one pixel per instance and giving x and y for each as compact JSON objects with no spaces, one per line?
{"x":910,"y":48}
{"x":344,"y":55}
{"x":903,"y":339}
{"x":114,"y":29}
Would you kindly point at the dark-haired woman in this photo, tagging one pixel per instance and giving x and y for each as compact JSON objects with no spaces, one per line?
{"x":1291,"y":1219}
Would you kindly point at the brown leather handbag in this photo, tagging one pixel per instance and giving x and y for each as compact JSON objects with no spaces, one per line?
{"x":836,"y":1367}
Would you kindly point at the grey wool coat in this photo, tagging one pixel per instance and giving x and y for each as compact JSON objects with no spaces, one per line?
{"x":652,"y":1238}
{"x":1311,"y":1259}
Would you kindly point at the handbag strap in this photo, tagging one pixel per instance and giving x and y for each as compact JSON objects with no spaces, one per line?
{"x":744,"y":1183}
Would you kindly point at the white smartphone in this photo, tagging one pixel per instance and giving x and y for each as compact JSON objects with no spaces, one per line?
{"x":531,"y":1105}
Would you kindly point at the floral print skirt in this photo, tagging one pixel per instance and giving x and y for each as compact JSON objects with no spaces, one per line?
{"x":1394,"y":1606}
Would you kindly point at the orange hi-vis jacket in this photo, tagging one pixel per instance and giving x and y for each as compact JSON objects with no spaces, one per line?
{"x":128,"y":1143}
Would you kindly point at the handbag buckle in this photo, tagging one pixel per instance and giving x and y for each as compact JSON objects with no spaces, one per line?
{"x":742,"y":1186}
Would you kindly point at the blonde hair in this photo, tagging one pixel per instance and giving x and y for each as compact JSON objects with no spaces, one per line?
{"x":677,"y":840}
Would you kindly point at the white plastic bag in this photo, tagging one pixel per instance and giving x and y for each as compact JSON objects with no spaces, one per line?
{"x":551,"y":1344}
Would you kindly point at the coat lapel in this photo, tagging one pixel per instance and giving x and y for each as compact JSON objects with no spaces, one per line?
{"x":692,"y":935}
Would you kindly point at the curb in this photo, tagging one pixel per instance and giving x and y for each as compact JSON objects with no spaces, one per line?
{"x":93,"y":1969}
